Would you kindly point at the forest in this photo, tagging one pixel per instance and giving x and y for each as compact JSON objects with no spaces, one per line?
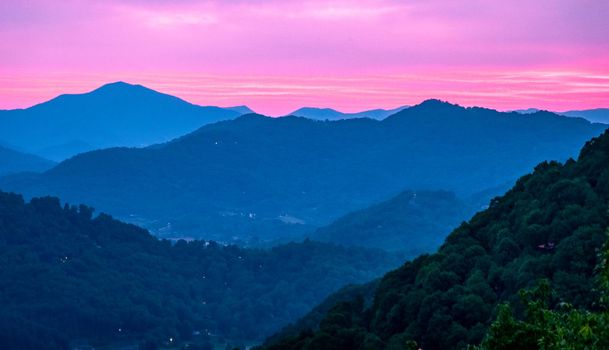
{"x":550,"y":226}
{"x":68,"y":274}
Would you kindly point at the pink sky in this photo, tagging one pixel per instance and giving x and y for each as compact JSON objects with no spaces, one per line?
{"x":279,"y":55}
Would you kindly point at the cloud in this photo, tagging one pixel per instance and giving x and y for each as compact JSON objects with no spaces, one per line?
{"x":163,"y":18}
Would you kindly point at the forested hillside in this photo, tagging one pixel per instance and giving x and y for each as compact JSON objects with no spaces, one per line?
{"x":68,"y":275}
{"x":552,"y":224}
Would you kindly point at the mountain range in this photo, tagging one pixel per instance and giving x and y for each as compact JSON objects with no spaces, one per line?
{"x":597,"y":115}
{"x":116,"y":114}
{"x":257,"y":178}
{"x":332,"y":114}
{"x":121,"y":114}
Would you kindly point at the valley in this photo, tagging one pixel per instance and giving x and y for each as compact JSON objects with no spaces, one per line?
{"x":304,"y":175}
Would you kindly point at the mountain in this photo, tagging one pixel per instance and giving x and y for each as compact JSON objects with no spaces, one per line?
{"x":70,"y":276}
{"x":12,"y":161}
{"x":552,"y":224}
{"x":67,"y":149}
{"x":332,"y":114}
{"x":255,"y":178}
{"x":412,"y":222}
{"x":116,"y":114}
{"x":240,"y":109}
{"x":598,"y":115}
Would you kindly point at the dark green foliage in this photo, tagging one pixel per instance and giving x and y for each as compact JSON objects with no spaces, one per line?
{"x":549,"y":324}
{"x":68,"y":275}
{"x":550,"y":225}
{"x":546,"y":327}
{"x":312,"y":319}
{"x":412,"y":222}
{"x":294,"y":174}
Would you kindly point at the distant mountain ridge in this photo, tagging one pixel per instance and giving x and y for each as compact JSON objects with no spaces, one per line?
{"x":332,"y":114}
{"x":12,"y":161}
{"x":240,"y":109}
{"x":596,"y":115}
{"x":255,"y":178}
{"x":116,"y":114}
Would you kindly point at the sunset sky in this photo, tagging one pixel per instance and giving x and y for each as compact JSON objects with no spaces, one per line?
{"x":279,"y":55}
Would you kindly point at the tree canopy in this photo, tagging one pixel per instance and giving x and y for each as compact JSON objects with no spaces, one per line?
{"x":68,"y":275}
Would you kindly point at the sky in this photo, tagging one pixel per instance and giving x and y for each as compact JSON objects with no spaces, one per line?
{"x":278,"y":55}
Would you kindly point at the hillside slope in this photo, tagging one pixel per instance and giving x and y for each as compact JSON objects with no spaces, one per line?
{"x":551,"y":224}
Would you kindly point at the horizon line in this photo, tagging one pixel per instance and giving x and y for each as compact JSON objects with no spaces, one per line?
{"x":336,"y":109}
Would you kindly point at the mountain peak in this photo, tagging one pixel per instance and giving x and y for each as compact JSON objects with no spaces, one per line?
{"x":325,"y":109}
{"x":119,"y":86}
{"x":435,"y":103}
{"x":113,"y":114}
{"x":317,"y":113}
{"x":435,"y":106}
{"x":242,"y":109}
{"x":119,"y":83}
{"x":425,"y":109}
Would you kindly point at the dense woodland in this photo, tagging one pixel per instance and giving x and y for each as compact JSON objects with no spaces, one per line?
{"x":68,"y":275}
{"x":552,"y":225}
{"x":550,"y":324}
{"x":258,"y":179}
